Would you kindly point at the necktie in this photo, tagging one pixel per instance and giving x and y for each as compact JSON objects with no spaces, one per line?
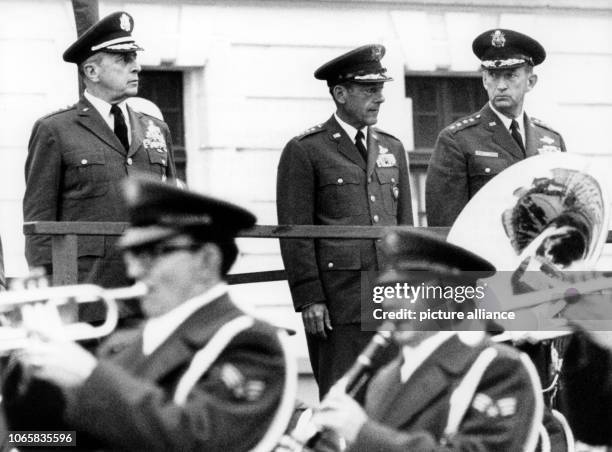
{"x":120,"y":126}
{"x":359,"y":137}
{"x":517,"y":135}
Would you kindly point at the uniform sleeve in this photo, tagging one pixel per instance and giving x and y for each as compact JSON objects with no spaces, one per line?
{"x":43,"y":176}
{"x":404,"y":207}
{"x":587,"y":383}
{"x":295,"y":203}
{"x":502,"y":417}
{"x":230,"y":408}
{"x":446,"y":190}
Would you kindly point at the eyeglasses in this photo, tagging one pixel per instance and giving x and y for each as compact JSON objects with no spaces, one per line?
{"x":161,"y":249}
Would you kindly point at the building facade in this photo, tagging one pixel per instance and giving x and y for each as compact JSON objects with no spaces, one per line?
{"x":235,"y":81}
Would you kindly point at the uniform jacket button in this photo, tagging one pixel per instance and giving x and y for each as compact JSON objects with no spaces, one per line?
{"x":84,"y":162}
{"x":375,"y":218}
{"x":487,"y":170}
{"x":129,"y":160}
{"x":330,"y":265}
{"x":372,"y":198}
{"x":340,"y":180}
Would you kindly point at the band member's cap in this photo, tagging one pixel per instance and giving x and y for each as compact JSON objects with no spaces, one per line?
{"x":407,"y":251}
{"x":112,"y":34}
{"x":159,"y":211}
{"x":361,"y":65}
{"x":507,"y":49}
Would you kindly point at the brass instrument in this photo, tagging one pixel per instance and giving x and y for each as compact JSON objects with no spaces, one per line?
{"x":305,"y":434}
{"x":539,"y":221}
{"x":40,"y":308}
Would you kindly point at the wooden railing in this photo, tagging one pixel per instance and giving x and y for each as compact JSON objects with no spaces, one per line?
{"x":65,"y":235}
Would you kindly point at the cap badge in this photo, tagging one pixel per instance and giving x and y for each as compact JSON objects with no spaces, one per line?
{"x":498,"y":39}
{"x":124,"y":23}
{"x":376,"y":53}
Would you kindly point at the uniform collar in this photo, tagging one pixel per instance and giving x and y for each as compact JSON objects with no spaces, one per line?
{"x":506,"y":121}
{"x":413,"y":357}
{"x":104,"y":108}
{"x":158,"y":329}
{"x":349,"y":129}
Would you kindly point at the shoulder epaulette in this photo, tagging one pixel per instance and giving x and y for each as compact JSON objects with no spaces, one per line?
{"x":542,"y":124}
{"x":383,"y":132}
{"x":61,"y":110}
{"x":464,"y":123}
{"x":310,"y":131}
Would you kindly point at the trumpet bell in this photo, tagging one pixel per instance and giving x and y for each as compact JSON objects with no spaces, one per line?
{"x":555,"y":207}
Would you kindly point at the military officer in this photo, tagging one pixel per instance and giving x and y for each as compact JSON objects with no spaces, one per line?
{"x":341,"y":172}
{"x":474,"y":149}
{"x":450,"y":387}
{"x":78,"y":155}
{"x":200,"y":375}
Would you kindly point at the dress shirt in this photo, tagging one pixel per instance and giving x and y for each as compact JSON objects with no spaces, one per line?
{"x":507,"y":122}
{"x":352,"y":131}
{"x":158,"y":329}
{"x":415,"y":356}
{"x":104,"y":108}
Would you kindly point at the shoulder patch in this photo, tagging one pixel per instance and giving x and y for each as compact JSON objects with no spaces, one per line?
{"x":542,"y":124}
{"x":61,"y":110}
{"x":464,"y":123}
{"x":310,"y":131}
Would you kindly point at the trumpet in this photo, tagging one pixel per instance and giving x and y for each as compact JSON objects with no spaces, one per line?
{"x":22,"y":310}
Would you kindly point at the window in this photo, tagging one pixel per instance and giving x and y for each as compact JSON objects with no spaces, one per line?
{"x":437,"y":101}
{"x":165,"y":89}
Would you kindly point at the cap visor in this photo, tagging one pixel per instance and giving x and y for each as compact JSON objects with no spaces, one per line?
{"x":135,"y":237}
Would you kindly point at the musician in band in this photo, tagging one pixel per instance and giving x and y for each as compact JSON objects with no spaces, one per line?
{"x":200,"y":375}
{"x":587,"y":375}
{"x":448,"y":389}
{"x":474,"y":149}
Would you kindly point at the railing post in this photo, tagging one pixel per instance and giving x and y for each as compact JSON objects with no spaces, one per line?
{"x":64,"y":256}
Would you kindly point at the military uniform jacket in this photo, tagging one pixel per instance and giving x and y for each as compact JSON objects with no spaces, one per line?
{"x":324,"y":180}
{"x":503,"y":414}
{"x":74,"y":167}
{"x":471,"y":152}
{"x":127,"y":404}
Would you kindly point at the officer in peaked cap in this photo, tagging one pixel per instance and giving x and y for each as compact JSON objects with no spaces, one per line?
{"x":485,"y":394}
{"x":471,"y":151}
{"x":197,"y":357}
{"x":344,"y":171}
{"x":77,"y":156}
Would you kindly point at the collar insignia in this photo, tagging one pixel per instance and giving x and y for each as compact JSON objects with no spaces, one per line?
{"x":547,"y":140}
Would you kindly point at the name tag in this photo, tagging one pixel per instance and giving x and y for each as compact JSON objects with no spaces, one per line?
{"x":486,"y":154}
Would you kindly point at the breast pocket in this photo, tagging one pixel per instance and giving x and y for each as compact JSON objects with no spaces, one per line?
{"x":483,"y":169}
{"x":86,"y":175}
{"x":389,"y":186}
{"x":341,"y":192}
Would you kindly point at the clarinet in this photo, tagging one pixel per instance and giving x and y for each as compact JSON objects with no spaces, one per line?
{"x":305,"y":434}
